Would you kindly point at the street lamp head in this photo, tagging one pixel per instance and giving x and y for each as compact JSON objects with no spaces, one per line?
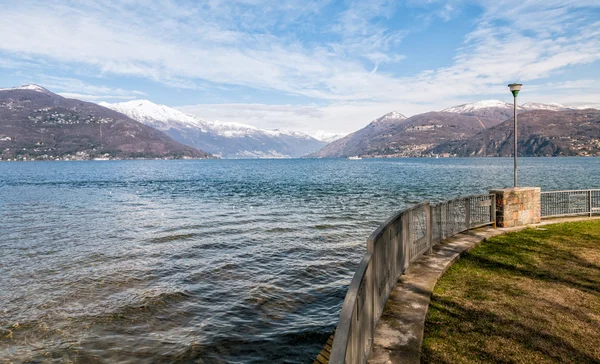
{"x":515,"y":88}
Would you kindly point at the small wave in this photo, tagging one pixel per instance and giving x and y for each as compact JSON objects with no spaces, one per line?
{"x":59,"y":336}
{"x":281,"y":230}
{"x":169,"y":238}
{"x":148,"y":309}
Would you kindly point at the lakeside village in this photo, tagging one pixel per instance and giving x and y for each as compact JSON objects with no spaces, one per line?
{"x":79,"y":156}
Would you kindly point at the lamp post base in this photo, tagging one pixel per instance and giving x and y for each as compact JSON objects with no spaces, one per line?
{"x":518,"y":206}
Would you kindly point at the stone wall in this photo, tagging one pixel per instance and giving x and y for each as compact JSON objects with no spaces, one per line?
{"x":518,"y":206}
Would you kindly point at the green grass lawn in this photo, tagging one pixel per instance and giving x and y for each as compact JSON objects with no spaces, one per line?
{"x":526,"y":297}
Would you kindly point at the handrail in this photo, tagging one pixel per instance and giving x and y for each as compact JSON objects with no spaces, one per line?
{"x":569,"y":203}
{"x":401,"y":239}
{"x":340,"y":340}
{"x":377,"y":233}
{"x":548,"y":192}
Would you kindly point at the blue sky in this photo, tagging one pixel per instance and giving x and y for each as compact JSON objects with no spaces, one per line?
{"x":304,"y":65}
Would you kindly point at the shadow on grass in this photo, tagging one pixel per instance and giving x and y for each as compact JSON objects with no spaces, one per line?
{"x":475,"y":316}
{"x":580,"y":281}
{"x":487,"y":325}
{"x":534,"y":259}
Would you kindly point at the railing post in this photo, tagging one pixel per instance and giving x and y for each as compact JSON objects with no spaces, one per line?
{"x":590,"y":202}
{"x":468,"y":212}
{"x":445,"y":220}
{"x":493,"y":212}
{"x":429,"y":225}
{"x":405,"y":238}
{"x":441,"y":224}
{"x":370,"y":305}
{"x":410,"y":241}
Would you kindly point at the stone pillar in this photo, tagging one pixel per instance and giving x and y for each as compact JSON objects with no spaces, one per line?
{"x":518,"y":206}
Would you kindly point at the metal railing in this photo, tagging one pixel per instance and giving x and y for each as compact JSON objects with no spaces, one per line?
{"x":454,"y":216}
{"x":391,"y":248}
{"x":570,"y":203}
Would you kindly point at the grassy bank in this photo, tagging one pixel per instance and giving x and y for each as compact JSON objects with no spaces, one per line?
{"x":530,"y":297}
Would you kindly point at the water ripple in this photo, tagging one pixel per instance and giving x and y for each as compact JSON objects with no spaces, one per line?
{"x":209,"y":261}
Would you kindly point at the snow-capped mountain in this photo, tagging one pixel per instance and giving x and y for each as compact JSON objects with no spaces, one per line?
{"x":584,"y":107}
{"x":497,"y":104}
{"x":538,"y":106}
{"x":498,"y":111}
{"x":358,"y":143}
{"x":391,"y":116}
{"x":395,"y":135}
{"x":224,"y":139}
{"x":36,"y":124}
{"x":477,"y":106}
{"x":327,"y":136}
{"x":160,"y":117}
{"x":31,"y":87}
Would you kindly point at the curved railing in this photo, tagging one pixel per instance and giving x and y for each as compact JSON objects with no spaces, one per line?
{"x":391,"y":248}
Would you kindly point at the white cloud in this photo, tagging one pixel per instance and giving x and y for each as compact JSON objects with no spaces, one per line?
{"x":573,"y":93}
{"x":447,"y":12}
{"x":565,"y":85}
{"x":235,"y":43}
{"x":122,"y":46}
{"x":75,"y":86}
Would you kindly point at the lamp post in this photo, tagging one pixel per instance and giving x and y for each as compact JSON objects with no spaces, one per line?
{"x":515,"y":88}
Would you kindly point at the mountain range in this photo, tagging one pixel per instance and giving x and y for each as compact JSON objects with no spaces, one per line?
{"x":541,"y":133}
{"x":463,"y":130}
{"x":223,"y":139}
{"x":36,"y":124}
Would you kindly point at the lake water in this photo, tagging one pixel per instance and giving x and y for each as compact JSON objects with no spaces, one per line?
{"x":218,"y":261}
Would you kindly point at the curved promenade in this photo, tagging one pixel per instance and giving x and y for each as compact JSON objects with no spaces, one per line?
{"x":399,"y":333}
{"x":383,"y":314}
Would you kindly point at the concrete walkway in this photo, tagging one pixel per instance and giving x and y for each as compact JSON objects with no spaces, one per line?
{"x":399,"y":333}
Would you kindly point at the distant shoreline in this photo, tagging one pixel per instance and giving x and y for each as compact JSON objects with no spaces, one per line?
{"x":299,"y":158}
